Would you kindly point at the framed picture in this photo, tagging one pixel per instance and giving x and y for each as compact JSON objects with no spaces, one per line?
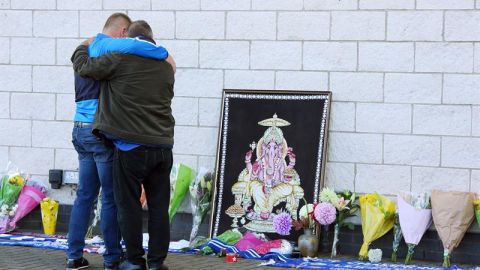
{"x":271,"y":155}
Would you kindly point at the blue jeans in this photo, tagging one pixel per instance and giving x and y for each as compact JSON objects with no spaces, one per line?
{"x":95,"y":171}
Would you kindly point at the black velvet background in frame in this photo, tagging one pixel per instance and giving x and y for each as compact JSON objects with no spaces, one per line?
{"x":303,"y":135}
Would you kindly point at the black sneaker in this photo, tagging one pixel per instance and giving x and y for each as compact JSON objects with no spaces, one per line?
{"x":77,"y":264}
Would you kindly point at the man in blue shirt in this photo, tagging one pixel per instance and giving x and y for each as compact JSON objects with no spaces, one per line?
{"x":95,"y":158}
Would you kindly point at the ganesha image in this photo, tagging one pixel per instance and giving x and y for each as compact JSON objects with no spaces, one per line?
{"x":269,"y":183}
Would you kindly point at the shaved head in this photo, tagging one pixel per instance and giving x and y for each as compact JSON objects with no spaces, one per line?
{"x":117,"y":25}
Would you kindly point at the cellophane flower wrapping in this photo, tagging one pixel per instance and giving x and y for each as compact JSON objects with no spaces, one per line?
{"x":30,"y":197}
{"x":180,"y":179}
{"x":249,"y":240}
{"x":415,"y":216}
{"x":49,"y":209}
{"x":11,"y":185}
{"x":229,"y":237}
{"x":397,"y":237}
{"x":377,"y":215}
{"x":453,"y":213}
{"x":200,"y":198}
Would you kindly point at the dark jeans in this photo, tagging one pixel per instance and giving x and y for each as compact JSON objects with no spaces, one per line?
{"x":151,"y":167}
{"x":95,"y":171}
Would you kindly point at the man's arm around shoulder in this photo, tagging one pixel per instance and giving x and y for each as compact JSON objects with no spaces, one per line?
{"x":100,"y":68}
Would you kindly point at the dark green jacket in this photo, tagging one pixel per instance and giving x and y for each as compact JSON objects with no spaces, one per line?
{"x":135,"y":96}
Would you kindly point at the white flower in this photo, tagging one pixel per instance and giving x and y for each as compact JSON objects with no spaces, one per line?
{"x":375,"y":255}
{"x":11,"y":213}
{"x":4,"y":207}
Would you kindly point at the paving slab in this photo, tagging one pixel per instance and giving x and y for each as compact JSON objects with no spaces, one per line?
{"x":23,"y":258}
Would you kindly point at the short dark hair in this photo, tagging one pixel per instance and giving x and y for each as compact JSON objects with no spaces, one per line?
{"x":140,"y":28}
{"x":114,"y":19}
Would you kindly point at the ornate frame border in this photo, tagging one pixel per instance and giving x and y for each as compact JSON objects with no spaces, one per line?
{"x":223,"y":132}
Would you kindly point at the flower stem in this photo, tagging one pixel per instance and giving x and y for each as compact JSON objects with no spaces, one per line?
{"x":335,"y":240}
{"x":394,"y":256}
{"x":446,"y":259}
{"x":408,"y":259}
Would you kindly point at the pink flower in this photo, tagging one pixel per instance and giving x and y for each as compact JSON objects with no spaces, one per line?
{"x":325,"y":213}
{"x":282,"y":223}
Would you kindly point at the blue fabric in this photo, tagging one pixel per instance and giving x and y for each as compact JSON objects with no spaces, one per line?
{"x":124,"y":146}
{"x":121,"y":144}
{"x":87,"y":89}
{"x":104,"y":44}
{"x":86,"y":110}
{"x":278,"y":260}
{"x":95,"y":171}
{"x":86,"y":98}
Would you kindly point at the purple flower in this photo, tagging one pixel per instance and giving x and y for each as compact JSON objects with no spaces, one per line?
{"x":325,"y":213}
{"x":282,"y":223}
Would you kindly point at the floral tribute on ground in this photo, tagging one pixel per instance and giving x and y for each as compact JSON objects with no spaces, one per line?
{"x":346,"y":207}
{"x":19,"y":195}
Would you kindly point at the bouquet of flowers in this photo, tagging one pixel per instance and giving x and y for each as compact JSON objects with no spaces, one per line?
{"x":305,"y":219}
{"x":476,"y":205}
{"x":11,"y":185}
{"x":415,"y":216}
{"x":97,"y":208}
{"x":6,"y":213}
{"x":397,"y":237}
{"x":49,"y":209}
{"x":346,"y":207}
{"x":180,"y":178}
{"x":452,"y":214}
{"x":30,"y":197}
{"x":377,"y":214}
{"x":200,"y":198}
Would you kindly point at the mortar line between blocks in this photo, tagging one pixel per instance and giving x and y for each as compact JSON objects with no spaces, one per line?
{"x":441,"y":150}
{"x":386,"y":25}
{"x":470,"y":172}
{"x":443,"y":26}
{"x":9,"y":50}
{"x":471,"y":120}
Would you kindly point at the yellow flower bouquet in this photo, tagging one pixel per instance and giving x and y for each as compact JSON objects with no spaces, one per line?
{"x":49,"y":209}
{"x":476,"y":204}
{"x":377,"y":215}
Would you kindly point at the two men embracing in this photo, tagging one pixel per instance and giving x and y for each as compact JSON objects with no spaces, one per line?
{"x":123,"y":134}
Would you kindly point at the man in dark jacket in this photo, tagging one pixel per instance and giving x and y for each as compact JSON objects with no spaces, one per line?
{"x":135,"y":113}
